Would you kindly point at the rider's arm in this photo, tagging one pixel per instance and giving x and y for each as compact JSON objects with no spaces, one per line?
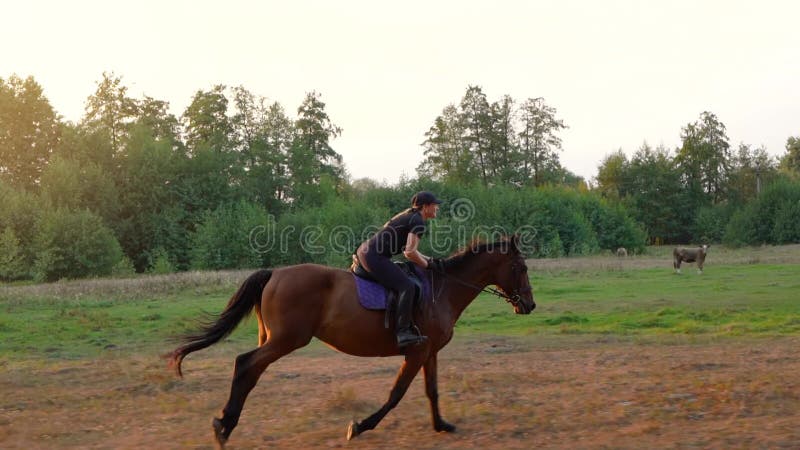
{"x":411,"y":252}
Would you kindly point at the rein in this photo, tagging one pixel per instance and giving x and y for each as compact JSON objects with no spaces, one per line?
{"x":514,"y":298}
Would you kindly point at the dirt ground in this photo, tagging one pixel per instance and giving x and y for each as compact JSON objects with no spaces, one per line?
{"x":499,"y":392}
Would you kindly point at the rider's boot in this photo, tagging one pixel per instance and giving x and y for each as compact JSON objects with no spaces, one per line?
{"x":406,"y":334}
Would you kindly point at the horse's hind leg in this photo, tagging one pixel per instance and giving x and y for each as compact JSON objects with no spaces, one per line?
{"x":249,"y":367}
{"x":262,"y":330}
{"x":407,"y":373}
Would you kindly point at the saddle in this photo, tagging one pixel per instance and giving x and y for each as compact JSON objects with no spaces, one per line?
{"x":391,"y":295}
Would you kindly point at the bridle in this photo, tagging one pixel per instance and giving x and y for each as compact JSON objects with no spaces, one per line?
{"x":516,"y":295}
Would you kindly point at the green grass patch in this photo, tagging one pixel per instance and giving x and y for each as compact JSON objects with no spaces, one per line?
{"x":728,"y":300}
{"x":87,"y":327}
{"x":735,"y":300}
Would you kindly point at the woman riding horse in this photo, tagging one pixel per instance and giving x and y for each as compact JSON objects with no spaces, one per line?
{"x":297,"y":303}
{"x":401,"y":233}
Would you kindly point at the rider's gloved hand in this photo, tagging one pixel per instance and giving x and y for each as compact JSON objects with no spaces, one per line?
{"x":436,"y":264}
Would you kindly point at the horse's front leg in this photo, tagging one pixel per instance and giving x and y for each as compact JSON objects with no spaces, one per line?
{"x":432,"y":389}
{"x":408,"y":371}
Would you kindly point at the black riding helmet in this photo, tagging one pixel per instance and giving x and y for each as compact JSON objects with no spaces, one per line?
{"x":423,"y":198}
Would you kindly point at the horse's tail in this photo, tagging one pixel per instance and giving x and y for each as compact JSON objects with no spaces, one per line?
{"x":240,"y":304}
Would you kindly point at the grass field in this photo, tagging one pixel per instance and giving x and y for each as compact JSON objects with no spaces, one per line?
{"x":592,"y":296}
{"x":620,"y":353}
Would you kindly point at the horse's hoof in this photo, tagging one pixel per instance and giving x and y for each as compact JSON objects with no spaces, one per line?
{"x":219,"y":437}
{"x":352,"y":430}
{"x":444,"y":427}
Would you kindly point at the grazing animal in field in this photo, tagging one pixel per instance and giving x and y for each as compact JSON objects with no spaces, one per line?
{"x":622,"y":252}
{"x":689,"y":255}
{"x":294,"y":304}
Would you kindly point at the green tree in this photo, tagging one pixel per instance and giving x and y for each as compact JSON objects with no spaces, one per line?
{"x":74,"y":245}
{"x":476,"y":116}
{"x":80,"y":185}
{"x":791,"y":160}
{"x":447,"y":157}
{"x":704,"y":159}
{"x":569,"y":178}
{"x":20,"y":210}
{"x":787,"y":223}
{"x":612,"y":174}
{"x":612,"y":224}
{"x":154,"y":114}
{"x":655,"y":196}
{"x":206,"y":122}
{"x":710,"y":222}
{"x":248,"y":120}
{"x":146,"y":186}
{"x":160,"y":262}
{"x":505,"y":155}
{"x":81,"y":144}
{"x":210,"y":176}
{"x":562,"y":227}
{"x":223,"y":238}
{"x":539,"y":141}
{"x":311,"y":155}
{"x":479,"y":141}
{"x":111,"y":111}
{"x":12,"y":258}
{"x":29,"y":131}
{"x":273,"y":157}
{"x":264,"y":136}
{"x":750,"y":170}
{"x":203,"y":181}
{"x":771,"y":218}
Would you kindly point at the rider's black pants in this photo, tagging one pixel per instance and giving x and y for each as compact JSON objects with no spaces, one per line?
{"x":384,"y":270}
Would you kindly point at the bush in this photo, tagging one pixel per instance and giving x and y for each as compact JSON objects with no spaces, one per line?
{"x":769,"y":219}
{"x":223,"y":238}
{"x":561,"y":227}
{"x":160,"y":262}
{"x":12,"y":260}
{"x":325,"y":235}
{"x":787,"y":224}
{"x":19,"y":211}
{"x":613,"y":225}
{"x":710,"y":223}
{"x":739,"y":231}
{"x":124,"y":268}
{"x":74,"y":245}
{"x":79,"y":185}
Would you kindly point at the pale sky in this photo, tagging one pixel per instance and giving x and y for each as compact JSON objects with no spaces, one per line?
{"x":618,"y":72}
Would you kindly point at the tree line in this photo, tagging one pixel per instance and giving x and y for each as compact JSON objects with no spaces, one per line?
{"x":147,"y":178}
{"x":699,"y":191}
{"x":132,"y":188}
{"x":502,"y":142}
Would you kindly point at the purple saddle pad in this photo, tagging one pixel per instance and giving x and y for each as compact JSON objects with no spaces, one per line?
{"x":372,"y":295}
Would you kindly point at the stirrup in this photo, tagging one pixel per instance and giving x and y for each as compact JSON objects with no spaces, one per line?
{"x":410,"y":336}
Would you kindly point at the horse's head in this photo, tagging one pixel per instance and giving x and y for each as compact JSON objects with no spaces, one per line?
{"x":511,"y":276}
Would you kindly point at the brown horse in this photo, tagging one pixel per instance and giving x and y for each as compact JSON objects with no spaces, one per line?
{"x":689,"y":255}
{"x":296,"y":303}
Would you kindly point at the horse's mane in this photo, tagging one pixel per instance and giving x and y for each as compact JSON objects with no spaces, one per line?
{"x":476,"y":246}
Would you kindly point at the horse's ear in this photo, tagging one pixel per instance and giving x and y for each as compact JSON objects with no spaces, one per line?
{"x":515,"y":242}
